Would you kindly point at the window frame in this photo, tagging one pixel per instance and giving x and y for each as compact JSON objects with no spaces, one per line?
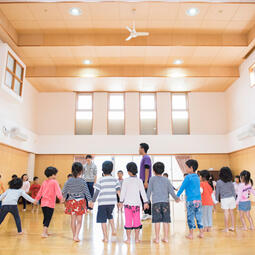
{"x":252,"y":75}
{"x":13,"y":74}
{"x":124,"y":109}
{"x":186,"y":110}
{"x":140,"y":110}
{"x":84,"y":110}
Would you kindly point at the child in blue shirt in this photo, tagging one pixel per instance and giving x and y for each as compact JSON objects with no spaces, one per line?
{"x":191,"y":185}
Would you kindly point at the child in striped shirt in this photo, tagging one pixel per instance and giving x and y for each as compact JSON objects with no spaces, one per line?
{"x":75,"y":192}
{"x":106,"y":189}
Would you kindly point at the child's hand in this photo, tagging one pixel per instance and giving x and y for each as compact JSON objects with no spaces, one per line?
{"x":178,"y":200}
{"x":91,"y":204}
{"x":62,"y":201}
{"x":35,"y":202}
{"x":146,"y":206}
{"x":120,"y":205}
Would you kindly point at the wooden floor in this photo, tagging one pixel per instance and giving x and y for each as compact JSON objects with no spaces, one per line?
{"x":215,"y":242}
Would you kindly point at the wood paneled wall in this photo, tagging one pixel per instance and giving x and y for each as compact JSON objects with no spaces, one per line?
{"x":12,"y":161}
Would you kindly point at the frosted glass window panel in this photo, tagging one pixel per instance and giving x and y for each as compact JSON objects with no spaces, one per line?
{"x":116,"y":102}
{"x":18,"y":71}
{"x":84,"y":102}
{"x":180,"y":122}
{"x":8,"y":79}
{"x":17,"y":86}
{"x":148,"y":122}
{"x":116,"y":123}
{"x":177,"y":172}
{"x":10,"y":63}
{"x":179,"y":102}
{"x":147,"y":102}
{"x":83,"y":123}
{"x":118,"y":115}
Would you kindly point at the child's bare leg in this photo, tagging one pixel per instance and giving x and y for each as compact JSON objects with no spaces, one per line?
{"x":157,"y":230}
{"x":232,"y":217}
{"x":73,"y":224}
{"x":201,"y":233}
{"x":137,"y":232}
{"x":104,"y":229}
{"x":248,"y":215}
{"x":128,"y":232}
{"x":190,"y":235}
{"x":166,"y":231}
{"x":226,"y":218}
{"x":113,"y":227}
{"x":45,"y":232}
{"x":78,"y":227}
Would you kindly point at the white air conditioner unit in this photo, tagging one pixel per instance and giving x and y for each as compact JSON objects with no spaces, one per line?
{"x":249,"y":131}
{"x":18,"y":135}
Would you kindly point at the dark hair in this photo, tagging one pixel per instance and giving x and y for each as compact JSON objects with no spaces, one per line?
{"x":192,"y":163}
{"x":165,"y":174}
{"x":107,"y":167}
{"x":144,"y":146}
{"x":22,"y":176}
{"x":0,"y":176}
{"x":225,"y":174}
{"x":35,"y":178}
{"x":120,"y":171}
{"x":251,"y":182}
{"x":77,"y":168}
{"x":49,"y":171}
{"x":205,"y":174}
{"x":159,"y":168}
{"x":246,"y":176}
{"x":15,"y":183}
{"x":88,"y":156}
{"x":14,"y":176}
{"x":132,"y":168}
{"x":69,"y":175}
{"x":238,"y":177}
{"x":185,"y":174}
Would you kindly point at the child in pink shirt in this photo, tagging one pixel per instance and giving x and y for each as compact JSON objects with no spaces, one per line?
{"x":48,"y":192}
{"x":243,"y":199}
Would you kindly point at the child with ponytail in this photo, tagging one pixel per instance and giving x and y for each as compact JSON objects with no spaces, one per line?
{"x":243,"y":199}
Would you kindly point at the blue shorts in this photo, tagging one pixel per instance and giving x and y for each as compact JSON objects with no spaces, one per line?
{"x":244,"y":206}
{"x":104,"y":213}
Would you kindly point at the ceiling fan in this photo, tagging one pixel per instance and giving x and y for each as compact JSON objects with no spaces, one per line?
{"x":132,"y":30}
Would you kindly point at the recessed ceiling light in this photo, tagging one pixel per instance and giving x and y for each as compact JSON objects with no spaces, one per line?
{"x":87,"y":62}
{"x":192,"y":11}
{"x":75,"y":11}
{"x":178,"y":62}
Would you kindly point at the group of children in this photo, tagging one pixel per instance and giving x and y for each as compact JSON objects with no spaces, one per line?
{"x":128,"y":194}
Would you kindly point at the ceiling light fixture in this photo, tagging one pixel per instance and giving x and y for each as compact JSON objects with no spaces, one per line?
{"x":192,"y":11}
{"x":87,"y":62}
{"x":75,"y":11}
{"x":178,"y":62}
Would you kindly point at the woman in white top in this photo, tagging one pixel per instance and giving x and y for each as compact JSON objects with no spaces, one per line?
{"x":132,"y":189}
{"x":25,"y":187}
{"x":237,"y":183}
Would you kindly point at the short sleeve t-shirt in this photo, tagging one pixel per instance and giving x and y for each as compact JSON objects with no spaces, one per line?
{"x":107,"y":187}
{"x":146,"y":160}
{"x":206,"y":194}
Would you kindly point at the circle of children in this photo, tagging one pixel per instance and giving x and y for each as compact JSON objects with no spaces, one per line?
{"x":201,"y":194}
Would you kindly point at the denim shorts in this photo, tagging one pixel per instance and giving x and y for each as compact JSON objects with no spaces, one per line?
{"x":104,"y":213}
{"x":244,"y":206}
{"x":161,"y":212}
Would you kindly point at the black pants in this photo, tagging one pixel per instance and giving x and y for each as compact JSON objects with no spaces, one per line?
{"x":24,"y":202}
{"x":147,"y":211}
{"x":13,"y":209}
{"x":47,"y":215}
{"x":91,"y":191}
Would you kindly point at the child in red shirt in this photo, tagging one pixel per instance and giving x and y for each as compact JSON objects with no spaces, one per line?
{"x":34,"y":189}
{"x":206,"y":188}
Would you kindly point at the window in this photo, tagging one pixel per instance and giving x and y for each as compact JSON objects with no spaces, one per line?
{"x":180,"y":114}
{"x":252,"y":75}
{"x":84,"y":114}
{"x":14,"y":75}
{"x":116,"y":114}
{"x":148,"y":114}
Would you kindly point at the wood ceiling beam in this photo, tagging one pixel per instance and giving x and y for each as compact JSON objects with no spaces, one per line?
{"x":132,"y":71}
{"x":112,"y":38}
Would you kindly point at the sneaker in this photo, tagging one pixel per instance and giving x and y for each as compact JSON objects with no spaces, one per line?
{"x":24,"y":210}
{"x":145,"y":217}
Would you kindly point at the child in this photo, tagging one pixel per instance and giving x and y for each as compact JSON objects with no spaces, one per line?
{"x":34,"y":189}
{"x":206,"y":188}
{"x":243,"y":199}
{"x":120,"y":179}
{"x":237,"y":184}
{"x":10,"y":199}
{"x":225,"y":193}
{"x":48,"y":192}
{"x":191,"y":185}
{"x":75,"y":192}
{"x":160,"y":188}
{"x":2,"y":190}
{"x":106,"y":189}
{"x":132,"y":188}
{"x":25,"y":187}
{"x":69,"y":176}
